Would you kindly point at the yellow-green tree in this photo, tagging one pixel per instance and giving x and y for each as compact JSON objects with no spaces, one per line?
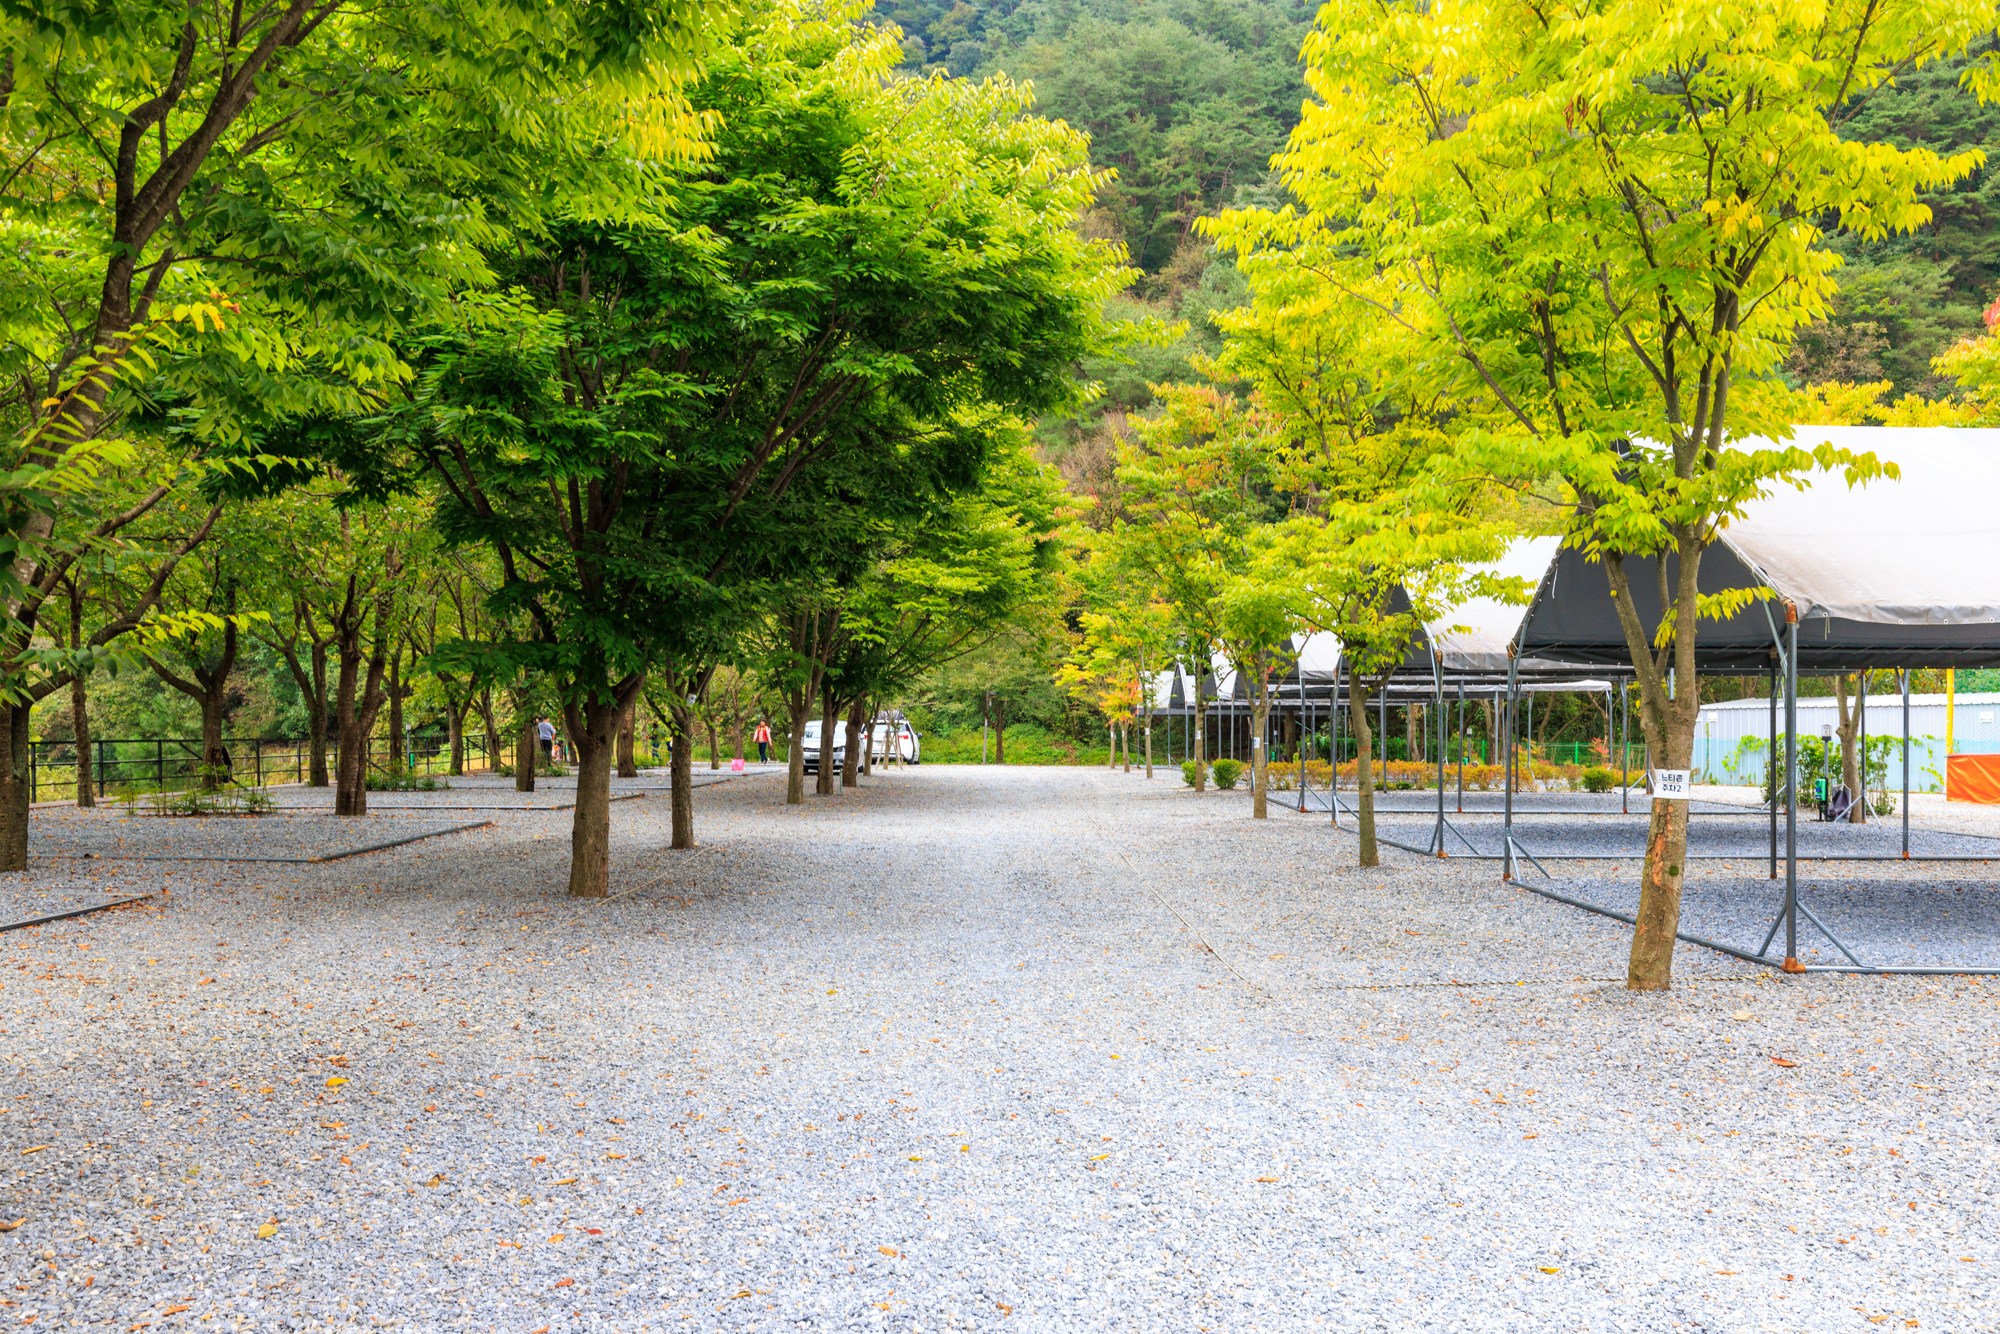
{"x":1594,"y":224}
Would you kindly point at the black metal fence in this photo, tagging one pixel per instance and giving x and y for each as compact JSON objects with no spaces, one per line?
{"x":168,"y":764}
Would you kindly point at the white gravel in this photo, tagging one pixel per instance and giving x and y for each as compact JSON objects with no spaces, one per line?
{"x":969,"y":1048}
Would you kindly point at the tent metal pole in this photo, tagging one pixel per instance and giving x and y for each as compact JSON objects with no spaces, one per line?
{"x":1437,"y":682}
{"x":1905,"y":674}
{"x":1791,"y":964}
{"x":1861,"y":754}
{"x":1624,"y":749}
{"x":1507,"y":779}
{"x":1461,"y":747}
{"x":1771,"y":770}
{"x":1333,"y":773}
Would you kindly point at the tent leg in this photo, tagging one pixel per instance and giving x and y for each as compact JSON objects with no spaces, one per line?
{"x":1461,"y":747}
{"x":1792,"y":964}
{"x":1624,"y":749}
{"x":1437,"y":682}
{"x":1861,"y":754}
{"x":1333,"y":773}
{"x":1771,"y":769}
{"x":1507,"y":779}
{"x":1906,"y":763}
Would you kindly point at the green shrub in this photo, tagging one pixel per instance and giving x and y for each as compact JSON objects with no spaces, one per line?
{"x":1227,"y":772}
{"x":401,"y":780}
{"x":1188,"y":768}
{"x":1598,"y":779}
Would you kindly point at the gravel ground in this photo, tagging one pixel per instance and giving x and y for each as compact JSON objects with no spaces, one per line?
{"x":969,"y":1048}
{"x":104,"y":834}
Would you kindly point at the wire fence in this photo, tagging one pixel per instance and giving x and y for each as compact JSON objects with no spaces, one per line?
{"x":172,"y":764}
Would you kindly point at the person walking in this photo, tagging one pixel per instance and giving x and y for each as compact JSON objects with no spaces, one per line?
{"x":763,"y":741}
{"x":546,"y":730}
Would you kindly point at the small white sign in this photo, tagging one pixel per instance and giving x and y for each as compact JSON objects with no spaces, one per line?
{"x":1672,"y":784}
{"x":1197,"y":734}
{"x":1256,"y":743}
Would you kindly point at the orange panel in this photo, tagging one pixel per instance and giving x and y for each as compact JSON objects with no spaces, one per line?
{"x":1972,"y":778}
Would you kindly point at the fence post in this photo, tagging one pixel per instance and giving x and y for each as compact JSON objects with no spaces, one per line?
{"x":33,"y":790}
{"x":100,"y":767}
{"x":257,"y":752}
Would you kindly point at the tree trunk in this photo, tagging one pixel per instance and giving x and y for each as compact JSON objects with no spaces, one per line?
{"x":399,"y":751}
{"x":492,"y":726}
{"x":15,"y":796}
{"x":1850,"y":751}
{"x":714,"y":743}
{"x":316,"y":770}
{"x":1260,"y":763}
{"x":683,"y":769}
{"x":356,"y":707}
{"x":1200,"y":764}
{"x":527,"y":754}
{"x":592,"y":729}
{"x":1364,"y":771}
{"x":828,"y":715}
{"x":79,"y":711}
{"x":628,"y":726}
{"x":850,"y":764}
{"x":1668,"y":725}
{"x":455,"y":719}
{"x":1000,"y":732}
{"x":795,"y":751}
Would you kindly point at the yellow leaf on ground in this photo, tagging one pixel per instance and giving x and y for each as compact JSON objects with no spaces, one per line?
{"x":1546,"y":1270}
{"x":36,"y":1149}
{"x":268,"y":1230}
{"x":336,"y":1081}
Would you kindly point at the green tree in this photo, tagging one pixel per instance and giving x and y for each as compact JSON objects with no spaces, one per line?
{"x":1603,"y":229}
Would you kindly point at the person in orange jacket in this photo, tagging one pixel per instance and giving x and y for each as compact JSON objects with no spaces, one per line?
{"x":763,"y":741}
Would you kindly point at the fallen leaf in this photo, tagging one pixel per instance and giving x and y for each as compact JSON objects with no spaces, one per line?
{"x":916,"y":1158}
{"x":1546,"y":1270}
{"x":1260,"y":1180}
{"x":36,"y":1149}
{"x":431,"y":1108}
{"x":1528,"y":1137}
{"x":9,"y":1227}
{"x":543,"y":1330}
{"x":734,"y":1295}
{"x":1099,"y":1157}
{"x":1743,"y":1016}
{"x":173,"y":1310}
{"x":564,"y":1283}
{"x":437,"y":1180}
{"x":1779,"y":1060}
{"x":614,"y":1155}
{"x":965,"y":1148}
{"x":345,"y":1161}
{"x":267,"y":1231}
{"x":1004,"y":1308}
{"x":337,"y":1081}
{"x":891,"y":1252}
{"x":557,"y":1237}
{"x":566,"y":1181}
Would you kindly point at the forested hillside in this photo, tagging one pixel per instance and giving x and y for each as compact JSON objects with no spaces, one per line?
{"x":1187,"y":99}
{"x":1904,"y":300}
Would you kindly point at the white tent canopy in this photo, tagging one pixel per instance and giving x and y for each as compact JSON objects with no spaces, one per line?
{"x":1899,"y":573}
{"x":1922,"y":550}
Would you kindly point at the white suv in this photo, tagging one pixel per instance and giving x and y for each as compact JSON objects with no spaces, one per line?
{"x":809,"y":744}
{"x":909,"y":748}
